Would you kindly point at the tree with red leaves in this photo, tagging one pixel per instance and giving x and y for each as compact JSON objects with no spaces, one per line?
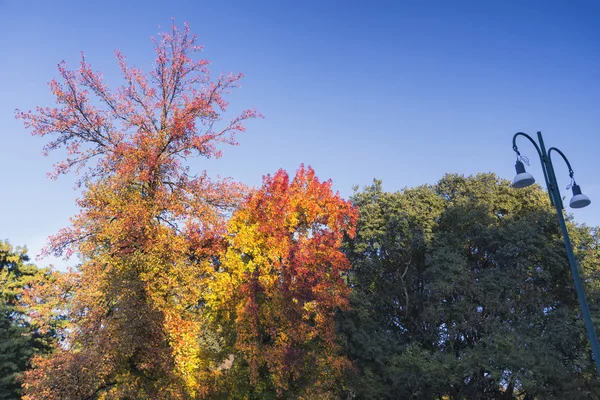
{"x":148,"y":228}
{"x":279,"y":286}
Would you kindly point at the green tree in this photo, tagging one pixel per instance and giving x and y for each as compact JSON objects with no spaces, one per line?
{"x":19,"y":341}
{"x":462,"y":290}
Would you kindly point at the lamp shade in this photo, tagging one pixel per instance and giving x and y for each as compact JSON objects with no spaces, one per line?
{"x":579,"y":200}
{"x":523,"y":178}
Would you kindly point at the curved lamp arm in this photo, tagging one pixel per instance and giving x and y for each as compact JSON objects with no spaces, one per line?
{"x":516,"y":149}
{"x":563,"y":157}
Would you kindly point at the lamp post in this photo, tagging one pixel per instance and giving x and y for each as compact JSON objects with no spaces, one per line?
{"x":579,"y":200}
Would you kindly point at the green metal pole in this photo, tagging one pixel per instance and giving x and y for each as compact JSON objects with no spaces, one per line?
{"x":555,"y":195}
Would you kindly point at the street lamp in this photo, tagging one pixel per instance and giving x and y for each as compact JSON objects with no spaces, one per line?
{"x":579,"y":200}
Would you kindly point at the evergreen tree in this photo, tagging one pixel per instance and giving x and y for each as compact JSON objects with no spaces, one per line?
{"x":19,"y":341}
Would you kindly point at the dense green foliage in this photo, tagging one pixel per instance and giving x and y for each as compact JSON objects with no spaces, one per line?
{"x":19,"y":341}
{"x":462,"y":290}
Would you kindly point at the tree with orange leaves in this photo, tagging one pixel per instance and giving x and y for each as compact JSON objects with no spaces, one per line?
{"x":148,"y":229}
{"x":279,"y":285}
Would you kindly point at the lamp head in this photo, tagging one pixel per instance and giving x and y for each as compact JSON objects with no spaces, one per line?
{"x":579,"y":200}
{"x":523,"y":178}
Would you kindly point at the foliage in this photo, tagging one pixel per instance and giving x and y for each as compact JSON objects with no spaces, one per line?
{"x":279,"y":286}
{"x":147,"y":231}
{"x":459,"y":290}
{"x":19,"y":339}
{"x":462,"y":290}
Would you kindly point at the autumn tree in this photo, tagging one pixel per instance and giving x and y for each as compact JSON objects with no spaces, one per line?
{"x":148,"y":227}
{"x":462,"y":290}
{"x":279,"y":286}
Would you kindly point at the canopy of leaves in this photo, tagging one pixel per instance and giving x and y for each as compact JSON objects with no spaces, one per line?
{"x":148,"y":228}
{"x":462,"y":290}
{"x":278,"y":287}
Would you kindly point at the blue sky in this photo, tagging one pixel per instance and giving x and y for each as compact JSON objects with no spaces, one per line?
{"x":401,"y":91}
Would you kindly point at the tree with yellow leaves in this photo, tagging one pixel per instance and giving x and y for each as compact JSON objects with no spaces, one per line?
{"x":148,"y":229}
{"x":279,"y":286}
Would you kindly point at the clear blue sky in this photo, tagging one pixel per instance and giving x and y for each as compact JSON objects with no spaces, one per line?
{"x":401,"y":91}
